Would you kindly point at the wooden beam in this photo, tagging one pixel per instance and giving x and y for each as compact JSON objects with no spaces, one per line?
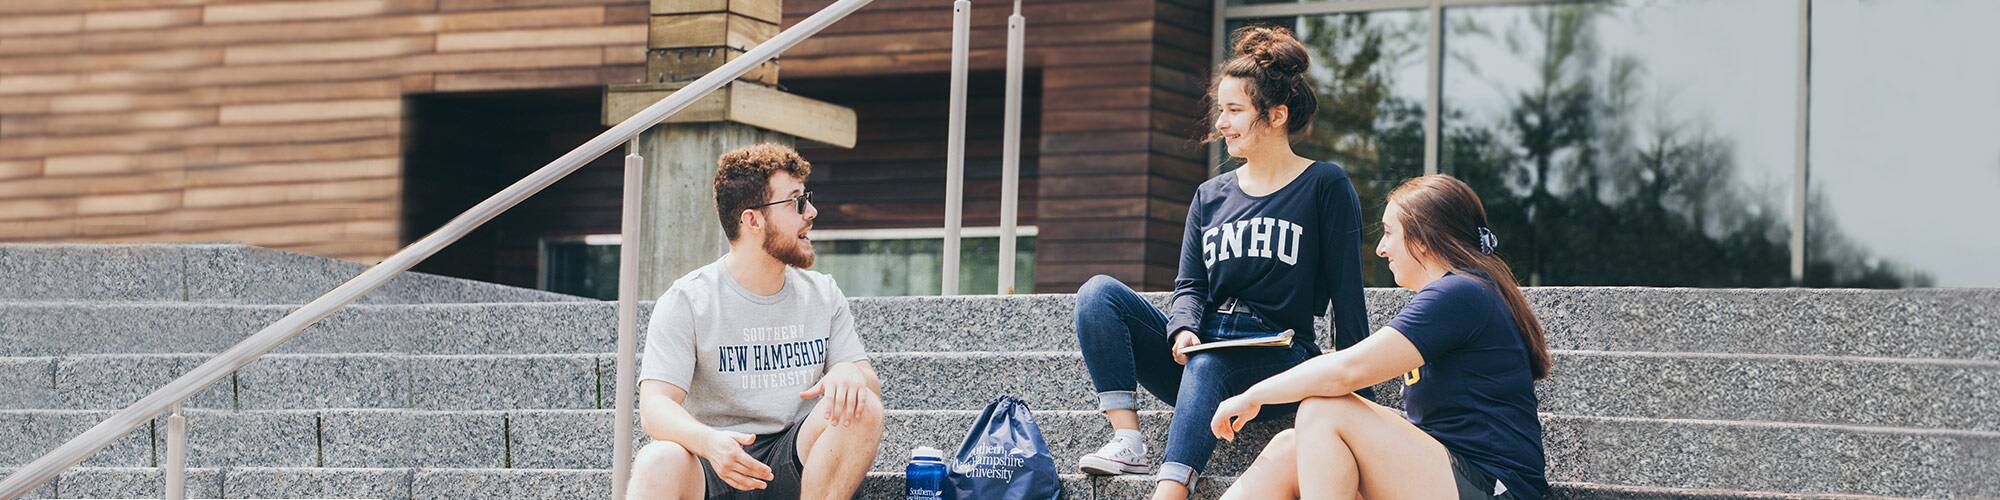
{"x":717,"y":29}
{"x":687,"y":65}
{"x":770,"y":11}
{"x":746,"y":103}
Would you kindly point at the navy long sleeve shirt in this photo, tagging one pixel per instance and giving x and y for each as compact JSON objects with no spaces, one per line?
{"x":1285,"y":255}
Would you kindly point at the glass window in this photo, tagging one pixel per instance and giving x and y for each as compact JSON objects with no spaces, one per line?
{"x":862,"y":267}
{"x":581,"y":268}
{"x":1637,"y":143}
{"x":1368,"y":72}
{"x":1905,"y":164}
{"x":885,"y":267}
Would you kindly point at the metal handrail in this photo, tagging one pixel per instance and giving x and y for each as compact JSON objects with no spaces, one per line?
{"x":74,"y":451}
{"x":1010,"y":148}
{"x":954,"y":160}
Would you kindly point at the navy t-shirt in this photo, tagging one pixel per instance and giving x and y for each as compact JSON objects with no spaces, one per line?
{"x":1284,"y":255}
{"x":1475,"y":392}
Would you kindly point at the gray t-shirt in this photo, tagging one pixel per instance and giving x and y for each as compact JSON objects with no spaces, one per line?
{"x":743,"y":358}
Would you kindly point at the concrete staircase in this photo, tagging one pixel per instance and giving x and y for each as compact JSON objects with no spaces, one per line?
{"x":443,"y":388}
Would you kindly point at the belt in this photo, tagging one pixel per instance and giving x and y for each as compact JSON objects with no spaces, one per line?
{"x":1228,"y":306}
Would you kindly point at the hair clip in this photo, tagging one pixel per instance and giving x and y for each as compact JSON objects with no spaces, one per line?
{"x":1487,"y":241}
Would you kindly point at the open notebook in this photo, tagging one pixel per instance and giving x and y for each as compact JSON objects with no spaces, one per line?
{"x":1282,"y":339}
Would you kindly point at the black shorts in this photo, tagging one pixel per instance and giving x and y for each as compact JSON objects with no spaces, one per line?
{"x":1472,"y":482}
{"x":778,"y":450}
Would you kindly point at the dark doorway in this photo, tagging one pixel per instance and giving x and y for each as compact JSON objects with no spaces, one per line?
{"x":462,"y":148}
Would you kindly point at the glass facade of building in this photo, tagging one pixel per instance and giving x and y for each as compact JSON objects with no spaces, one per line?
{"x":907,"y":264}
{"x":1905,"y":148}
{"x":1701,"y":143}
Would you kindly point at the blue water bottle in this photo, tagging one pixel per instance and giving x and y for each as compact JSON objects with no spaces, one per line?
{"x":925,"y":477}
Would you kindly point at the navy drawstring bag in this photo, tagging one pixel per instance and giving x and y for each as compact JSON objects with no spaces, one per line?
{"x":1004,"y":457}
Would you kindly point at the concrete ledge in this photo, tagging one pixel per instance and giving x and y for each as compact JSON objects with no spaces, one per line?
{"x":527,"y":484}
{"x":284,"y":381}
{"x":43,"y":329}
{"x":1808,"y":459}
{"x":1780,"y":457}
{"x":27,"y":383}
{"x":267,"y":482}
{"x":91,"y":272}
{"x":113,"y":381}
{"x":1857,"y":391}
{"x":232,"y":438}
{"x":554,"y":381}
{"x":136,"y":482}
{"x":1938,"y":324}
{"x":1925,"y":323}
{"x":381,"y":438}
{"x":225,"y":273}
{"x":31,"y":433}
{"x":404,"y":483}
{"x":46,"y":490}
{"x":892,"y":485}
{"x":564,"y":439}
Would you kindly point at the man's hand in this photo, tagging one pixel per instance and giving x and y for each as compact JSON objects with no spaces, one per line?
{"x":1182,"y":339}
{"x":724,"y":452}
{"x":846,"y":388}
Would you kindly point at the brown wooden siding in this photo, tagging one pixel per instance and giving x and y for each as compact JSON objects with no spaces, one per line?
{"x":272,"y":123}
{"x":284,"y":123}
{"x":1120,"y":87}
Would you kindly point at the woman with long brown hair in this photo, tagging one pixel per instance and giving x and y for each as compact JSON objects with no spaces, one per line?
{"x":1469,"y":350}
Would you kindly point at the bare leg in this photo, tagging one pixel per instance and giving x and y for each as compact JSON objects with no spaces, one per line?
{"x":1275,"y":474}
{"x":1363,"y":449}
{"x":665,"y":471}
{"x":1170,"y":490}
{"x":1123,"y":419}
{"x":838,"y":458}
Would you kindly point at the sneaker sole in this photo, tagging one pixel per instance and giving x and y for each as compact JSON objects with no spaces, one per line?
{"x":1098,"y":466}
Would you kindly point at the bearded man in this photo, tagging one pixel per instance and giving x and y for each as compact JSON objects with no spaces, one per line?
{"x":754,"y":383}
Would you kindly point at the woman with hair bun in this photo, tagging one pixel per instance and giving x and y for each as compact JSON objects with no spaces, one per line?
{"x":1469,"y":350}
{"x":1267,"y":247}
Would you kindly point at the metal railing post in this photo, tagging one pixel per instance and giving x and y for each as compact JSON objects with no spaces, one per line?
{"x":176,"y":465}
{"x":954,"y":181}
{"x":628,"y":319}
{"x":1010,"y":150}
{"x":74,"y":451}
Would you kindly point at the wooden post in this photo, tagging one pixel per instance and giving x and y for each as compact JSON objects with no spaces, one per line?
{"x":687,"y":39}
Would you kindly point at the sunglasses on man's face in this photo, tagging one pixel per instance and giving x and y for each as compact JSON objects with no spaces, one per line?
{"x":800,"y":202}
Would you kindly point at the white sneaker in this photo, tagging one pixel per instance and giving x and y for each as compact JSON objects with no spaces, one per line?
{"x":1120,"y":456}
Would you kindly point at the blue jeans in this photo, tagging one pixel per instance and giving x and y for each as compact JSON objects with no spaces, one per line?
{"x":1125,"y":344}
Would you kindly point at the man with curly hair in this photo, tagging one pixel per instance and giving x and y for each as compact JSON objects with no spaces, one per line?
{"x":754,"y":383}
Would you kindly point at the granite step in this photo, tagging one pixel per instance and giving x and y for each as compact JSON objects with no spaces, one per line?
{"x":1920,"y":323}
{"x":534,"y":484}
{"x":1605,"y":450}
{"x":1859,"y":391}
{"x":48,"y":329}
{"x":311,"y":381}
{"x":222,"y":273}
{"x":1854,"y":391}
{"x":1642,"y":452}
{"x":1925,"y":324}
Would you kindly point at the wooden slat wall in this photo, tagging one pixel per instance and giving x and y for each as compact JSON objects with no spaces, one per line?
{"x":282,"y":123}
{"x":275,"y":123}
{"x":1120,"y":95}
{"x":891,"y":178}
{"x":894,"y":176}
